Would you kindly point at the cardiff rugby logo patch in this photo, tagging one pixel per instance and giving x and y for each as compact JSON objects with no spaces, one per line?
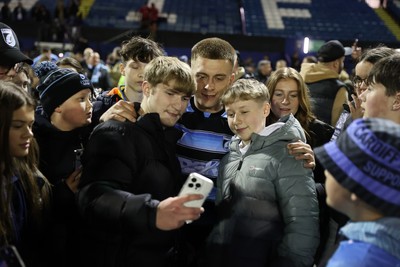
{"x":84,"y":80}
{"x":8,"y":37}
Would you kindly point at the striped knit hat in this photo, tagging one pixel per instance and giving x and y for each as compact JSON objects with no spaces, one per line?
{"x":365,"y":159}
{"x":56,"y":86}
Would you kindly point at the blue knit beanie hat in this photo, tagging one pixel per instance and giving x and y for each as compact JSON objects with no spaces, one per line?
{"x":57,"y":85}
{"x":365,"y":159}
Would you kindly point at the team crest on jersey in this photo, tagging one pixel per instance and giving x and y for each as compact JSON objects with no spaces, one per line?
{"x":225,"y":144}
{"x":8,"y":37}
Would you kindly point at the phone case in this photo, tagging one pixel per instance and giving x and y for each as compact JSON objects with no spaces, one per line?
{"x":196,"y":184}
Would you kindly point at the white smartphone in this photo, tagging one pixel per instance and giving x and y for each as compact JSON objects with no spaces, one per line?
{"x":196,"y":184}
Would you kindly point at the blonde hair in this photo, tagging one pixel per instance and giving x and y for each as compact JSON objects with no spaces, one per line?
{"x":163,"y":69}
{"x":246,"y":89}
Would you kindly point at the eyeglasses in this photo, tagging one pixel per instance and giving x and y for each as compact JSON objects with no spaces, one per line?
{"x":357,"y":81}
{"x":17,"y":68}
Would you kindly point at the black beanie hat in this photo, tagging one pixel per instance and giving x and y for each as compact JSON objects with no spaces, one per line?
{"x":58,"y":85}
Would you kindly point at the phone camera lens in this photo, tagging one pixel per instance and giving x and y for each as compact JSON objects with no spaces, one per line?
{"x":198,"y":185}
{"x":190,"y":185}
{"x":194,"y":180}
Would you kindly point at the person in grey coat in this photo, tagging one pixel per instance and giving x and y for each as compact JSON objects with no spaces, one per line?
{"x":267,"y":204}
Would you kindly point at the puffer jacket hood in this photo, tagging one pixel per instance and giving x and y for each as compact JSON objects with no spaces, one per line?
{"x":287,"y":129}
{"x":314,"y":72}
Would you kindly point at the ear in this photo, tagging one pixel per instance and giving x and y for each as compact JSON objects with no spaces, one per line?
{"x":122,"y":68}
{"x":267,"y":109}
{"x":58,"y":109}
{"x":337,"y":63}
{"x":232,"y":78}
{"x":146,"y":88}
{"x":396,"y":102}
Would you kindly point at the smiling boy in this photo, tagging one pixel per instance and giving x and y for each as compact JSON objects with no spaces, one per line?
{"x":131,"y":175}
{"x":266,"y":201}
{"x":135,"y":54}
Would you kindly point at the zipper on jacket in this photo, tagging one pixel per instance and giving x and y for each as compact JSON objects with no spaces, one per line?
{"x":240,"y":165}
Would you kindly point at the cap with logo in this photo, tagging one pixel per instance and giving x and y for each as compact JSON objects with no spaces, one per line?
{"x":332,"y":50}
{"x":365,"y":160}
{"x":10,"y":53}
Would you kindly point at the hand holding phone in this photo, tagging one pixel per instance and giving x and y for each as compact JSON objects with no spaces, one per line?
{"x":196,"y":184}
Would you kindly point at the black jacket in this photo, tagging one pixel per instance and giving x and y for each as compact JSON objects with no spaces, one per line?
{"x":57,"y":162}
{"x":323,"y":94}
{"x":127,"y":169}
{"x":320,"y":133}
{"x":57,"y":157}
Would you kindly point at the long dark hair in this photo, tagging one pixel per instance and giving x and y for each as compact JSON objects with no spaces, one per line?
{"x":13,"y":98}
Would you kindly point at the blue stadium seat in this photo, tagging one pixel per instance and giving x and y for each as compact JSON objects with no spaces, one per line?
{"x":321,"y":19}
